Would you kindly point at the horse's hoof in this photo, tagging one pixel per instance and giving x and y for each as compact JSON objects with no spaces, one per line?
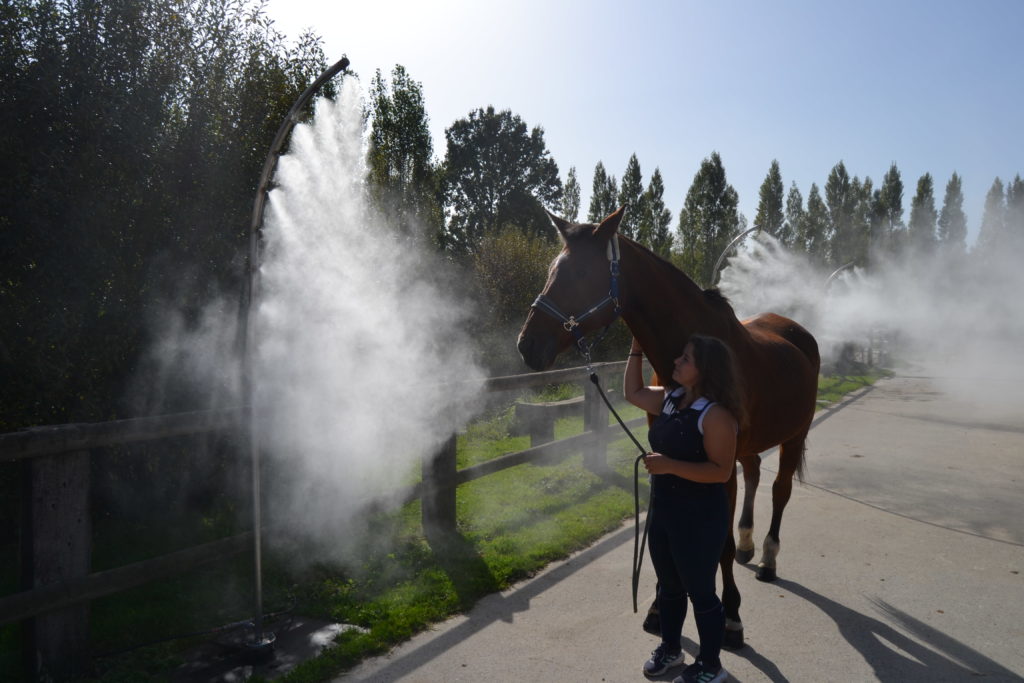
{"x":733,"y":639}
{"x":766,"y":574}
{"x":744,"y":556}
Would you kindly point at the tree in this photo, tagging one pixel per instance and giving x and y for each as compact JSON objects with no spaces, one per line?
{"x":132,"y":134}
{"x":603,"y":198}
{"x":890,"y":208}
{"x":770,"y":215}
{"x":993,"y":221}
{"x":631,"y":196}
{"x":402,"y":173}
{"x":840,"y":197}
{"x":921,"y":229}
{"x":952,"y":220}
{"x":657,"y":221}
{"x":1015,"y":214}
{"x":792,"y":231}
{"x":570,"y":209}
{"x":708,"y":221}
{"x":497,"y":172}
{"x":862,"y":223}
{"x":816,"y":225}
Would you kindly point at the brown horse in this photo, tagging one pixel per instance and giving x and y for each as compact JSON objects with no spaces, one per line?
{"x":778,"y":359}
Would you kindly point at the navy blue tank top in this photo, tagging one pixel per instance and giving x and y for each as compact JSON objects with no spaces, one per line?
{"x":679,"y":434}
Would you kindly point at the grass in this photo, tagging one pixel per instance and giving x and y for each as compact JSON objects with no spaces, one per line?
{"x":510,"y":525}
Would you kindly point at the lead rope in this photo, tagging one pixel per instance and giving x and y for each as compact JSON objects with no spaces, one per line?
{"x":638,"y":542}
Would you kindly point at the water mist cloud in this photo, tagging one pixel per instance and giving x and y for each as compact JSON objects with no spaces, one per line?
{"x":955,"y":319}
{"x":362,"y":359}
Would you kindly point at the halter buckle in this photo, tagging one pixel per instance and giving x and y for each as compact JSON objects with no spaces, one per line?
{"x":570,"y":324}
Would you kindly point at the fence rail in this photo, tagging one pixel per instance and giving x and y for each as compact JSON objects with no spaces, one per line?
{"x":57,"y":536}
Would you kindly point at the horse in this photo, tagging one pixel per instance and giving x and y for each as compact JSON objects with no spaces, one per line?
{"x":778,"y":360}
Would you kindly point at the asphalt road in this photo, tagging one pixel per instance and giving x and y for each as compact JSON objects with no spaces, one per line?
{"x":901,"y":561}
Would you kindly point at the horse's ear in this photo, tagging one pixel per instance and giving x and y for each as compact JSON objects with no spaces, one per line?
{"x":560,"y":223}
{"x":610,"y":225}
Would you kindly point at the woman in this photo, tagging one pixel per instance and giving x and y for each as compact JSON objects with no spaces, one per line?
{"x":694,"y":449}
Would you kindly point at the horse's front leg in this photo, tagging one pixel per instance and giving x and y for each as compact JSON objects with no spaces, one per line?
{"x":751,"y":463}
{"x":730,"y":593}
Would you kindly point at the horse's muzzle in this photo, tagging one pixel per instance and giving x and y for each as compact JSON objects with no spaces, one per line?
{"x":536,"y":354}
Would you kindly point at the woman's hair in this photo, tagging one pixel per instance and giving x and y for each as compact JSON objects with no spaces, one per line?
{"x":720,"y":380}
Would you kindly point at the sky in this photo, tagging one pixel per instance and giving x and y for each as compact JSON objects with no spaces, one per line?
{"x":932,"y":85}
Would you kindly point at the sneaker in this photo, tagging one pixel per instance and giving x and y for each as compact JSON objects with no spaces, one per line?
{"x":663,"y":659}
{"x":698,"y":673}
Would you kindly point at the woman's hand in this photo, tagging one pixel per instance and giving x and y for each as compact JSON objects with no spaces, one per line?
{"x":656,"y":463}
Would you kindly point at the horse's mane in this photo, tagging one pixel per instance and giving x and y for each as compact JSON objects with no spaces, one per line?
{"x":718,"y":301}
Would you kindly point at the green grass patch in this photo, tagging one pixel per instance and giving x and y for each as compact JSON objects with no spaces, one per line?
{"x":833,"y":388}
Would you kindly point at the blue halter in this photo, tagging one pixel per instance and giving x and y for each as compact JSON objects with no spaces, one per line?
{"x":572,"y":323}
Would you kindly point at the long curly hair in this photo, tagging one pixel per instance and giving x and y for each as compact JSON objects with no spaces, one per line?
{"x":720,"y":379}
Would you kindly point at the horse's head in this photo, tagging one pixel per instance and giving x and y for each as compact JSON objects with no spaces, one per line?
{"x":576,"y":299}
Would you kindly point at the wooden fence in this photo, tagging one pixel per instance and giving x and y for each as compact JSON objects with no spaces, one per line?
{"x":57,"y":537}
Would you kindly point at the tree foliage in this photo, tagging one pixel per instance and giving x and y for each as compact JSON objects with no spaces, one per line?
{"x":402,"y":173}
{"x":656,"y":225}
{"x":816,"y":225}
{"x":497,"y":172}
{"x":792,"y":230}
{"x":952,"y":219}
{"x":993,"y":220}
{"x":890,"y":209}
{"x":631,"y":196}
{"x":570,"y":209}
{"x":132,"y":133}
{"x":510,"y":268}
{"x":603,"y":197}
{"x":770,"y":212}
{"x":708,"y":221}
{"x":923,"y":216}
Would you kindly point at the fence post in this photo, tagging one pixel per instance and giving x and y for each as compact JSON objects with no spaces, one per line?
{"x":595,"y":420}
{"x":57,"y":547}
{"x":437,"y":502}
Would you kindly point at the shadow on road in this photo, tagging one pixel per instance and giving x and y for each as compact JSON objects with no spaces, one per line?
{"x":893,"y":655}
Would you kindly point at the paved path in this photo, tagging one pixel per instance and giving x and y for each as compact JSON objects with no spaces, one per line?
{"x":901,"y":560}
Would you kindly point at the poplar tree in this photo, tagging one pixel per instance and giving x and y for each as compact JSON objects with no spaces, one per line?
{"x":921,"y":228}
{"x":840,"y":197}
{"x":1015,"y":214}
{"x":400,"y":166}
{"x":708,"y":221}
{"x":631,"y":196}
{"x":770,"y":213}
{"x":862,"y":222}
{"x":816,"y":222}
{"x":993,"y":220}
{"x":570,"y":208}
{"x":791,"y":233}
{"x":890,"y":209}
{"x":602,"y":195}
{"x":952,"y":219}
{"x":657,"y":221}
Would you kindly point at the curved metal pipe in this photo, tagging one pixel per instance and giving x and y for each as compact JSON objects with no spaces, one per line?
{"x":736,"y":240}
{"x":247,"y":328}
{"x":836,"y":272}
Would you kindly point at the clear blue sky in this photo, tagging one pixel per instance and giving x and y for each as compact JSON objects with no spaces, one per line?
{"x":933,"y":85}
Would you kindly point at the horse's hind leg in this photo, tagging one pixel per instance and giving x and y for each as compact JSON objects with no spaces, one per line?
{"x":751,"y":463}
{"x":791,"y":459}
